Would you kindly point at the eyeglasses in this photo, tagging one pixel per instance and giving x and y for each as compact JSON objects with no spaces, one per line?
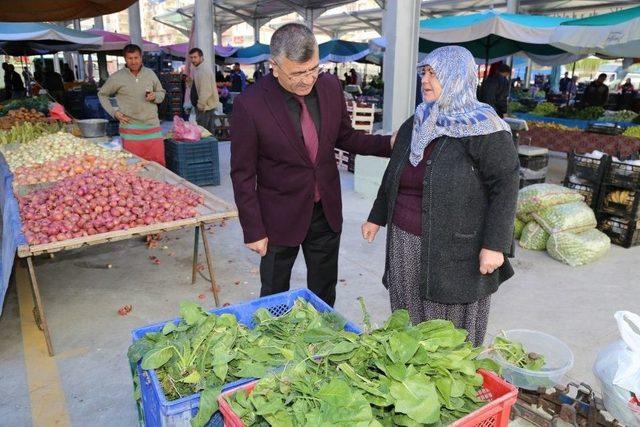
{"x":300,"y":76}
{"x":430,"y":72}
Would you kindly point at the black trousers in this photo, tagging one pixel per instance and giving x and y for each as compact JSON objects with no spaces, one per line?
{"x":320,"y":248}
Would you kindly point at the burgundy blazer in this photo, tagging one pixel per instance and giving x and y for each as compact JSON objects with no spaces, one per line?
{"x":272,"y":174}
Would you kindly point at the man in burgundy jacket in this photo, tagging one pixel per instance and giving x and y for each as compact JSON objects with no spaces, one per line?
{"x":286,"y":183}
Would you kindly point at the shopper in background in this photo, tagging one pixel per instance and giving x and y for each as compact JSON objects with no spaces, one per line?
{"x":53,"y":83}
{"x":286,"y":184}
{"x":258,"y":73}
{"x":17,"y":86}
{"x":67,"y":74}
{"x":203,"y":81}
{"x":7,"y":80}
{"x":564,"y":82}
{"x":238,"y":79}
{"x":627,"y":87}
{"x":597,"y":93}
{"x":572,"y":89}
{"x":138,"y":92}
{"x":448,"y":199}
{"x":495,"y":88}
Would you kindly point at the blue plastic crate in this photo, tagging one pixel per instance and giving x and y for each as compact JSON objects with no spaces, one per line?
{"x":197,"y":162}
{"x":158,"y":411}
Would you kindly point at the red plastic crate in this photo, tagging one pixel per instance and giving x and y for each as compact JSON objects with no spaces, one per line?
{"x":500,"y":394}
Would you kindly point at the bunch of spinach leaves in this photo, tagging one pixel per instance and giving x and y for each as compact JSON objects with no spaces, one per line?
{"x":397,"y":375}
{"x":204,"y":351}
{"x":515,"y":353}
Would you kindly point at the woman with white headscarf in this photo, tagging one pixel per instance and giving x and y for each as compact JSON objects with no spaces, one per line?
{"x":448,"y":197}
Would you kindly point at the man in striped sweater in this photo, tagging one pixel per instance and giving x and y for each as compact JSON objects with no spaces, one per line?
{"x":138,"y":92}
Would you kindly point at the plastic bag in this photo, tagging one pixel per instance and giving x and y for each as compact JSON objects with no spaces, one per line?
{"x":578,"y":249}
{"x":540,"y":196}
{"x":574,"y":217}
{"x":185,"y":131}
{"x":628,"y":374}
{"x":534,"y":237}
{"x":531,"y":174}
{"x":618,"y":363}
{"x":56,"y":111}
{"x":518,"y":226}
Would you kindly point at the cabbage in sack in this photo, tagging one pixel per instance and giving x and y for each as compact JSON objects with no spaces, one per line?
{"x":536,"y":197}
{"x":534,"y":237}
{"x":574,"y":217}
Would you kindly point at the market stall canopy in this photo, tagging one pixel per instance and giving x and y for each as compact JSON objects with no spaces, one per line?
{"x":232,"y":12}
{"x":113,"y":43}
{"x":343,"y":51}
{"x":28,"y":38}
{"x":59,"y":10}
{"x":251,"y":55}
{"x":180,"y":50}
{"x":492,"y":35}
{"x":614,"y":34}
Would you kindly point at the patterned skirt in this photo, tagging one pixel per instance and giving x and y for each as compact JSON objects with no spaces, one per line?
{"x":404,"y":290}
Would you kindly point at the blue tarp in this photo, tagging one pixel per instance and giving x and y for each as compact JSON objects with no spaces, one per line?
{"x":12,"y":235}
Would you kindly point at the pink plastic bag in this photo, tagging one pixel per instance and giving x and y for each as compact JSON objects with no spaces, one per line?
{"x":185,"y":131}
{"x":56,"y":111}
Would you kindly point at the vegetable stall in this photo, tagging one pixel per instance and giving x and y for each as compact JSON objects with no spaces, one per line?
{"x":570,"y":130}
{"x":62,"y":192}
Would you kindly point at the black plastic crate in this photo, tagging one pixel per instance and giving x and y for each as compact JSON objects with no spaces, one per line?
{"x":586,"y":168}
{"x":534,"y":163}
{"x":197,"y":162}
{"x":623,"y":175}
{"x":527,"y":182}
{"x":621,"y":202}
{"x":589,"y":191}
{"x":625,"y":233}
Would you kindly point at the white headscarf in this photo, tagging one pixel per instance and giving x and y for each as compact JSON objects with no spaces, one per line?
{"x":457,"y":112}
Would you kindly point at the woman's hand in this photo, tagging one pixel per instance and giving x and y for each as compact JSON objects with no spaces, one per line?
{"x":369,"y":231}
{"x":490,"y":261}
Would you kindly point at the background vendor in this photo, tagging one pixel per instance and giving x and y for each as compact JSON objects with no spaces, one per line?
{"x":138,"y":92}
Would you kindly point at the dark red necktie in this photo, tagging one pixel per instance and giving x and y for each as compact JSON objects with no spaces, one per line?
{"x":310,"y":136}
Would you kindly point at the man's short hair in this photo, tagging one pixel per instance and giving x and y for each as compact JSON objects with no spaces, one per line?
{"x":294,"y":41}
{"x":196,"y":50}
{"x":236,"y":64}
{"x":132,"y":48}
{"x":602,"y":76}
{"x":504,"y":68}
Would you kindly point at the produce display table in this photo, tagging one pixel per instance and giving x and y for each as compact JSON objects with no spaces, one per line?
{"x":568,"y":141}
{"x":572,"y":123}
{"x":213,"y":209}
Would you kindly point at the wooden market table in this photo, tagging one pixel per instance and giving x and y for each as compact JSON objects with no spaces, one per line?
{"x":213,"y":209}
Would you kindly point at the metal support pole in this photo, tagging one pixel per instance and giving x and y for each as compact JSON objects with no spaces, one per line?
{"x":98,"y":23}
{"x":203,"y":15}
{"x":80,"y":58}
{"x":135,"y":26}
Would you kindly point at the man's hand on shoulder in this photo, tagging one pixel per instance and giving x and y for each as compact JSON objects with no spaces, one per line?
{"x":260,"y":246}
{"x":393,"y":139}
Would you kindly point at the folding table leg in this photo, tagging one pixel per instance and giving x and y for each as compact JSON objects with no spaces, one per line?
{"x":195,"y":256}
{"x":207,"y":252}
{"x":42,"y":323}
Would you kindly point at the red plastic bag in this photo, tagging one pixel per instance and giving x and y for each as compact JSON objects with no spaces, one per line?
{"x":56,"y":111}
{"x":185,"y":131}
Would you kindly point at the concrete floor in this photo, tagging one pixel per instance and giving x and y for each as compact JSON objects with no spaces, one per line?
{"x":82,"y":298}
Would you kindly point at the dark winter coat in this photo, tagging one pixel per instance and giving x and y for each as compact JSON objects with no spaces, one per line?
{"x":469,"y":203}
